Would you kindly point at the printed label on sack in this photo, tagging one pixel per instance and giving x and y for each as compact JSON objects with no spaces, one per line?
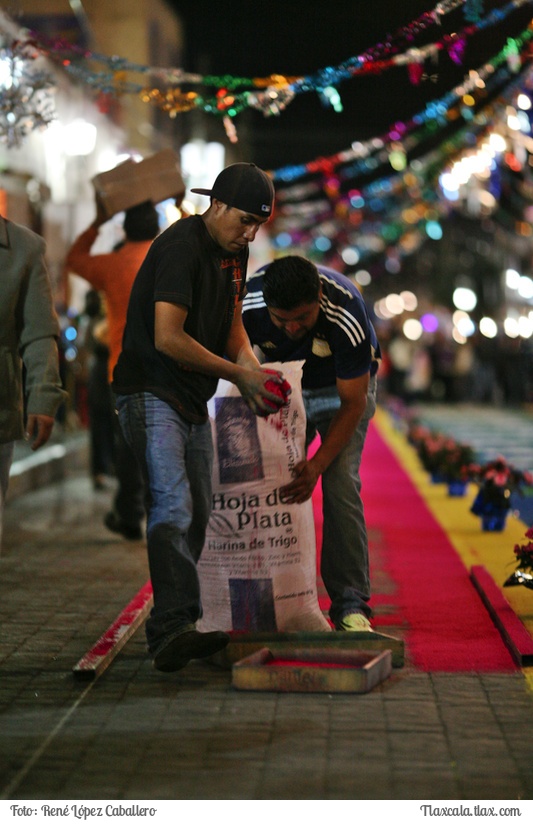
{"x":258,"y":565}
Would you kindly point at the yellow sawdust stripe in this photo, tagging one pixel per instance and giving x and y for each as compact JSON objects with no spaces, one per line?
{"x":493,"y":550}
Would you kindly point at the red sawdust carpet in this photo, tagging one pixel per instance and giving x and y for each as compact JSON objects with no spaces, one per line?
{"x":420,"y":584}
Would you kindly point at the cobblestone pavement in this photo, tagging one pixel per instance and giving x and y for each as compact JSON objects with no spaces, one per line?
{"x":137,"y":734}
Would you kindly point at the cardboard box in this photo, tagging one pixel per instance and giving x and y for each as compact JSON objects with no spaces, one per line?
{"x":155,"y":178}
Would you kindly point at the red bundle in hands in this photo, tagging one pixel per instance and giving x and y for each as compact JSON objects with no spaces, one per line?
{"x":282,"y":390}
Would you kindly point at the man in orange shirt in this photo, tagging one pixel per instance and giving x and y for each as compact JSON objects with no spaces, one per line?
{"x":113,"y":274}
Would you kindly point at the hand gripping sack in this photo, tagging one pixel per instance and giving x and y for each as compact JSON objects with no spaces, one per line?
{"x":258,"y":565}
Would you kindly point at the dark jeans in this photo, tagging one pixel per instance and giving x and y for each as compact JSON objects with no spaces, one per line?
{"x":128,"y":503}
{"x":344,"y":559}
{"x":176,"y":459}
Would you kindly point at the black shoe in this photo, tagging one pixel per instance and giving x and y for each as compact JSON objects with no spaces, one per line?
{"x":113,"y":522}
{"x":189,"y":644}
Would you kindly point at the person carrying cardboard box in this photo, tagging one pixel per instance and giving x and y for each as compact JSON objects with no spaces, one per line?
{"x":113,"y":274}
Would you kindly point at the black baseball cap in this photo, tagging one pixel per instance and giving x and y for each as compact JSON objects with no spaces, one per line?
{"x":244,"y":186}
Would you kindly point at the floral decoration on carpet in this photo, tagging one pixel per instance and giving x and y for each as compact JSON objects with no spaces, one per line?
{"x":497,"y":480}
{"x":523,"y":573}
{"x":441,"y":455}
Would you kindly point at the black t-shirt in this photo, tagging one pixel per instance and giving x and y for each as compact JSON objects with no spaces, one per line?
{"x":183,"y":266}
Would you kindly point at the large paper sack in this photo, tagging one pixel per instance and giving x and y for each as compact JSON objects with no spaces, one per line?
{"x":258,"y":566}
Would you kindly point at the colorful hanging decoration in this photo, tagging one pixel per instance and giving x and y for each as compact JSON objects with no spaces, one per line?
{"x":26,"y":101}
{"x":391,"y":215}
{"x":365,"y":157}
{"x":456,"y":46}
{"x":231,"y":131}
{"x":512,"y":53}
{"x":415,"y":71}
{"x":374,"y":197}
{"x":271,"y":95}
{"x":473,"y":10}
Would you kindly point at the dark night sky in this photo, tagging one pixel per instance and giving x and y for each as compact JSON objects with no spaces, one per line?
{"x":298,"y":38}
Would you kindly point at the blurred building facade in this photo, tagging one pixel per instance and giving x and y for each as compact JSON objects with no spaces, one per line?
{"x":45,"y":181}
{"x":46,"y":173}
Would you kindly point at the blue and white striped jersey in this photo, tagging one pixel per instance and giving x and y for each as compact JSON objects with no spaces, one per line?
{"x":343,"y":343}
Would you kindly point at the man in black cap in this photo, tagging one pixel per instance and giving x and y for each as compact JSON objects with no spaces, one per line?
{"x":183,"y":332}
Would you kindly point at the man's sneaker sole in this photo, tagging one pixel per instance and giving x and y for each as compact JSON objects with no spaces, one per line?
{"x":190,"y":644}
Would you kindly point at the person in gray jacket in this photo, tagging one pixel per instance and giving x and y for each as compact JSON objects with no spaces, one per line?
{"x":29,"y":328}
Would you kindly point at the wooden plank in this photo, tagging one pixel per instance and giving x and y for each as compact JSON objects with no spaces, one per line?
{"x":312,"y":670}
{"x":243,"y":644}
{"x":514,"y":633}
{"x":99,"y":657}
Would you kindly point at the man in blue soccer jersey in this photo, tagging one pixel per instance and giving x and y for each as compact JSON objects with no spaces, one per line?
{"x":294,"y":310}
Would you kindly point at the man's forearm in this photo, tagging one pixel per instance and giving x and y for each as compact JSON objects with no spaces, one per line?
{"x":190,"y":354}
{"x":238,"y":347}
{"x":247,"y":358}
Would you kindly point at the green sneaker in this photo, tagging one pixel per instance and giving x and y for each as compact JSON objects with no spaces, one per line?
{"x":355,"y":622}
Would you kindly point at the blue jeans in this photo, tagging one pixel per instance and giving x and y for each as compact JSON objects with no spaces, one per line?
{"x":128,"y":503}
{"x":176,"y":459}
{"x":344,"y":561}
